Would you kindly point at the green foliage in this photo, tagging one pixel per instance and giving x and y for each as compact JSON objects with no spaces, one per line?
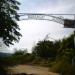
{"x":65,"y":60}
{"x":20,"y":52}
{"x":19,"y":57}
{"x":58,"y":55}
{"x":45,"y":49}
{"x":3,"y":71}
{"x":9,"y":30}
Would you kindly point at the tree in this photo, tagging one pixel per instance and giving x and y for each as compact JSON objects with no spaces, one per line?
{"x":20,"y":52}
{"x":67,"y":43}
{"x":45,"y":49}
{"x":9,"y":30}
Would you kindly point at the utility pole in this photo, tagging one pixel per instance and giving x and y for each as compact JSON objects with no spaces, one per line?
{"x":74,"y":41}
{"x":74,"y":32}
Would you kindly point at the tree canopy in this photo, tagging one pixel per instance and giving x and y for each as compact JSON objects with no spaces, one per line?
{"x":9,"y":29}
{"x":45,"y":49}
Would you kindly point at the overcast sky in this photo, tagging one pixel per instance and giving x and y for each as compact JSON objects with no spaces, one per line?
{"x":33,"y":31}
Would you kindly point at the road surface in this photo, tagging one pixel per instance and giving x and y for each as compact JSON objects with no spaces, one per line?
{"x":37,"y":70}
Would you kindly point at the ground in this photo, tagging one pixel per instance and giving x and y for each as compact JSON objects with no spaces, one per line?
{"x":29,"y":69}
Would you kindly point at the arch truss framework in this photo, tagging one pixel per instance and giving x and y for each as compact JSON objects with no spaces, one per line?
{"x":50,"y":17}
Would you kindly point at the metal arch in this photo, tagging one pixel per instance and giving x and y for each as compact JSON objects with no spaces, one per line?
{"x":50,"y":17}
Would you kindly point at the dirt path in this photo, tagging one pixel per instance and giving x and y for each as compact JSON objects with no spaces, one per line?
{"x":31,"y":70}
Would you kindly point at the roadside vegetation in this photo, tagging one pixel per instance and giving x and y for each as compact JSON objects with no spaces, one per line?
{"x":58,"y":55}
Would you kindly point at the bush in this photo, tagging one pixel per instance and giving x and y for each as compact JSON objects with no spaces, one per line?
{"x":63,"y":67}
{"x":3,"y":71}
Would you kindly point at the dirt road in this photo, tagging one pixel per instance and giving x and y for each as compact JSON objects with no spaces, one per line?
{"x":31,"y":70}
